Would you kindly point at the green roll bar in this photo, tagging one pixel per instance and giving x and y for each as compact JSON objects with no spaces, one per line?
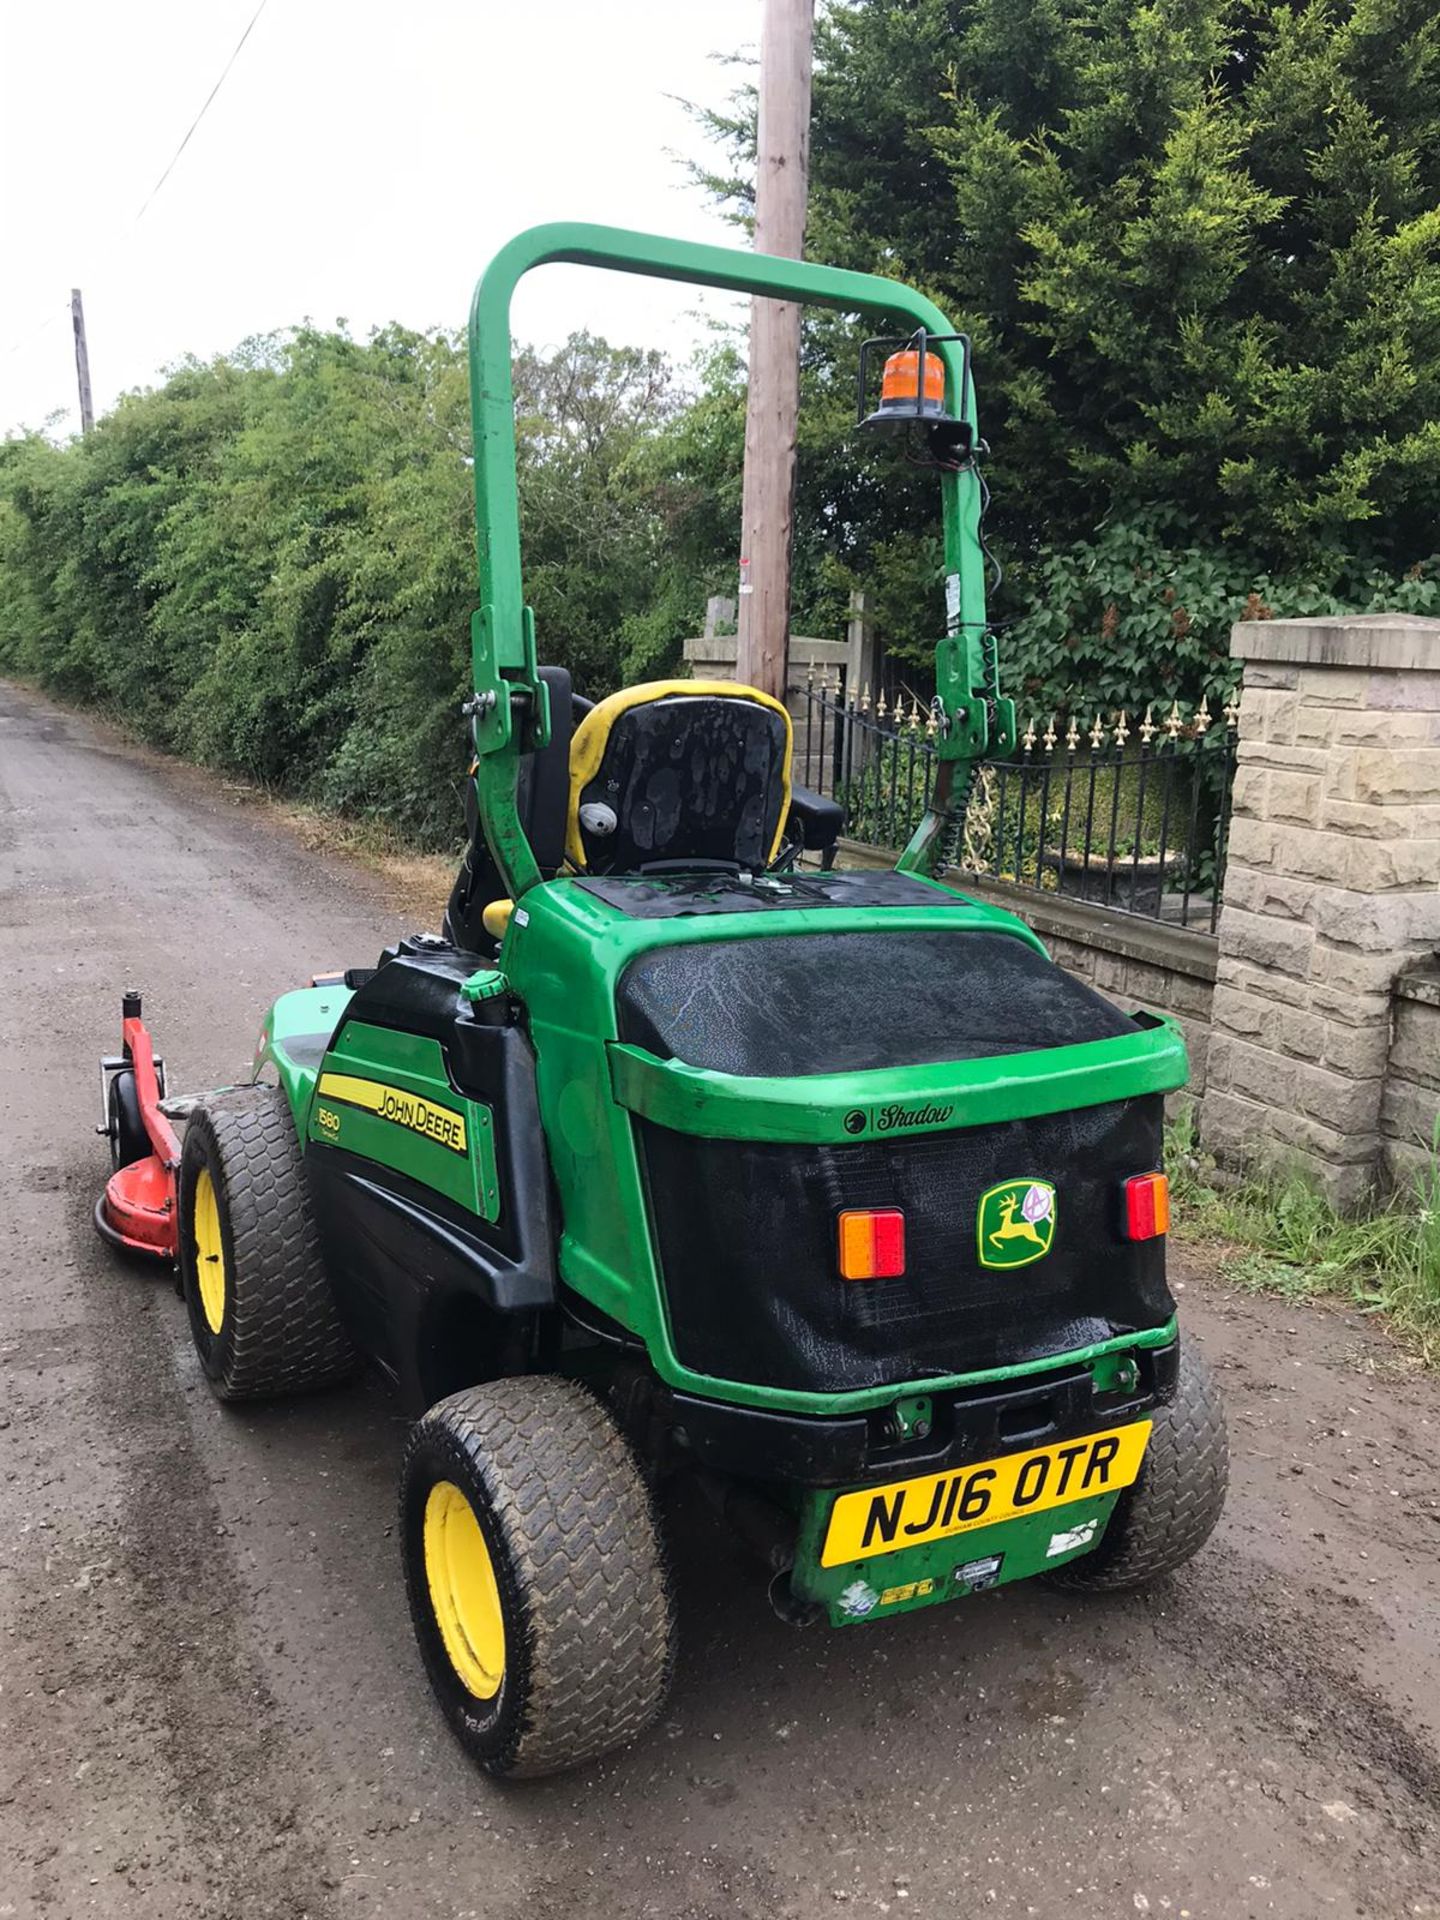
{"x":509,"y":707}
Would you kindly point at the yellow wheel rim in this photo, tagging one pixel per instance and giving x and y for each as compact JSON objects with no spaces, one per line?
{"x":463,"y":1591}
{"x":209,"y":1252}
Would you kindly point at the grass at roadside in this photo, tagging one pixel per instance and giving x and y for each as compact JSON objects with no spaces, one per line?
{"x":1285,"y":1237}
{"x":421,"y":881}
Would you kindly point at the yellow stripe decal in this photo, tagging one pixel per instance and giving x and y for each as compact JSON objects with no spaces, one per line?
{"x":441,"y":1124}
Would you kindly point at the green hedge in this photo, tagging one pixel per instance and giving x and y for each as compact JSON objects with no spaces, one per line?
{"x":267,"y":564}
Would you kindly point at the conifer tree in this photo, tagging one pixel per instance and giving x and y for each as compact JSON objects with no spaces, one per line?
{"x":1197,"y":243}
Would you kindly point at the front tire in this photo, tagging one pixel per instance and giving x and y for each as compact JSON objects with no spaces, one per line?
{"x":1171,"y":1511}
{"x":535,"y":1575}
{"x":261,"y":1311}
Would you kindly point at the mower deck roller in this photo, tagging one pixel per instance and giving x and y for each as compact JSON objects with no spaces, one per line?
{"x":825,"y":1195}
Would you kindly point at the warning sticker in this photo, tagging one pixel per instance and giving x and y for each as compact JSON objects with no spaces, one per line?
{"x":1077,"y":1536}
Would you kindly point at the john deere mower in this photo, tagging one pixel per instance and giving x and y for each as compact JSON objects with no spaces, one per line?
{"x":680,"y":1154}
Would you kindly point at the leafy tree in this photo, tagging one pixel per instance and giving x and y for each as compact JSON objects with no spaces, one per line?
{"x":268,"y":562}
{"x":596,"y":522}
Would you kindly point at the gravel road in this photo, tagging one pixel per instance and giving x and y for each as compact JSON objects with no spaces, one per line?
{"x":210,"y":1703}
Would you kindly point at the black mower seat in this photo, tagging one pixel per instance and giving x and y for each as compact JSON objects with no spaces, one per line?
{"x":679,"y":771}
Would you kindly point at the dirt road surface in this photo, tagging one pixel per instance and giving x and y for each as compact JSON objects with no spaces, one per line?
{"x":210,"y":1703}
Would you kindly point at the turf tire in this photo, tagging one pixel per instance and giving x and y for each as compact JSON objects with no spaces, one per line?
{"x":279,"y":1333}
{"x":568,"y":1523}
{"x":1170,"y":1512}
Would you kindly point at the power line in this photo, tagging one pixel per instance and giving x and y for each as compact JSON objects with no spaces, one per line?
{"x":203,"y":111}
{"x":24,"y":339}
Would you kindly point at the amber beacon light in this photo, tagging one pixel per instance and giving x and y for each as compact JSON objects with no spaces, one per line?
{"x":912,"y":383}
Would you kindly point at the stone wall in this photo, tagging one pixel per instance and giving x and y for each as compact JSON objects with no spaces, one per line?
{"x":1313,"y":1019}
{"x":1332,"y":888}
{"x":1412,"y":1081}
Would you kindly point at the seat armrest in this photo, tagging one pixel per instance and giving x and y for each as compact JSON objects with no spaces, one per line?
{"x":816,"y":822}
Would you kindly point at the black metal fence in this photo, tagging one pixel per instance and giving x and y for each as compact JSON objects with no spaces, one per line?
{"x":1129,"y":812}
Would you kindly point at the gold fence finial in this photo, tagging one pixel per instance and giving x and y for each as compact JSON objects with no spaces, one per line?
{"x":1173,"y":722}
{"x":1048,"y":737}
{"x":1097,"y":735}
{"x":1202,"y":717}
{"x":1072,"y":735}
{"x":1122,"y":730}
{"x":1147,"y":725}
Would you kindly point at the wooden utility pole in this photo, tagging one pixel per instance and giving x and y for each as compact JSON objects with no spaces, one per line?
{"x":782,"y":170}
{"x":82,"y":361}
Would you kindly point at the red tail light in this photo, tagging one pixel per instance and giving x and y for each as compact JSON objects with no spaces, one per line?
{"x":1147,"y":1206}
{"x":872,"y":1243}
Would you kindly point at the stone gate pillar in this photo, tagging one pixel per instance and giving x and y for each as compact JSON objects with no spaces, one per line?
{"x":1332,"y":887}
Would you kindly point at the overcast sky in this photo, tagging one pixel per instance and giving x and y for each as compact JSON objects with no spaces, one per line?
{"x":361,"y":159}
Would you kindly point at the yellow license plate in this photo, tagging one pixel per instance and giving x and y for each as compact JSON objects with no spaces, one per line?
{"x":909,"y":1512}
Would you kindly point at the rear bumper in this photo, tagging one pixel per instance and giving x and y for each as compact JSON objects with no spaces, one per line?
{"x":813,"y":1451}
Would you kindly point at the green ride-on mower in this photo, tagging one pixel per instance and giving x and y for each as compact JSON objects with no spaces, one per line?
{"x":674,"y":1156}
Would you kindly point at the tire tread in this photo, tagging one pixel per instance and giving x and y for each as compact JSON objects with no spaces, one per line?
{"x":578,"y":1523}
{"x":287,"y":1336}
{"x":1170,"y":1513}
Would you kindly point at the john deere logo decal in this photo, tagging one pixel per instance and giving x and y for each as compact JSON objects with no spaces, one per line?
{"x":1016,"y":1223}
{"x":424,"y":1117}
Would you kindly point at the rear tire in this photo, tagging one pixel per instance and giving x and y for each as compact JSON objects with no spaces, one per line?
{"x":1171,"y":1511}
{"x":261,"y":1311}
{"x":535,"y":1574}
